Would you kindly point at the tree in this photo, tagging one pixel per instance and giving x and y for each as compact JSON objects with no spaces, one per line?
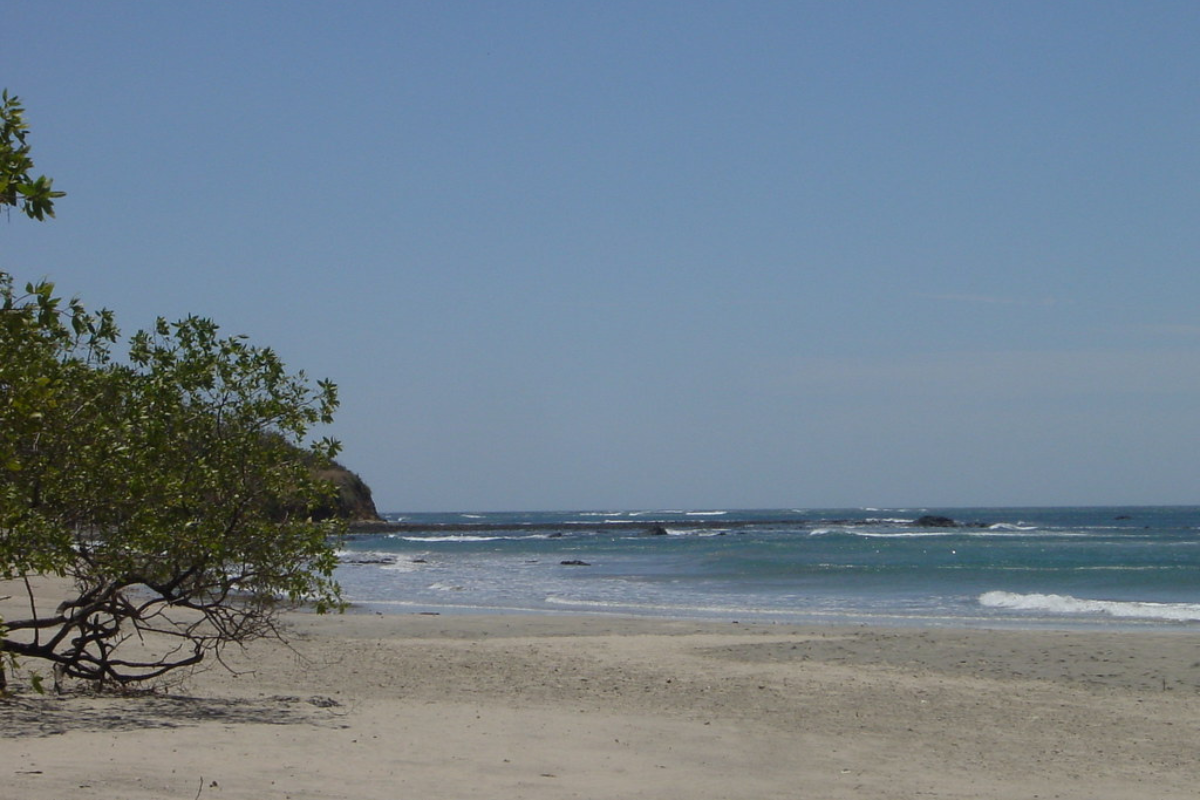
{"x":174,"y":488}
{"x":18,"y":187}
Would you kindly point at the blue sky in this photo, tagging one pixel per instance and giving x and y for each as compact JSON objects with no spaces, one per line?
{"x":658,"y":254}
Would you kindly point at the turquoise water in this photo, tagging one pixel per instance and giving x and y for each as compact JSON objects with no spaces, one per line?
{"x":1112,"y":567}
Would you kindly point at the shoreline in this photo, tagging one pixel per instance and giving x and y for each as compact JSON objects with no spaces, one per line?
{"x":369,"y":705}
{"x":1098,"y":623}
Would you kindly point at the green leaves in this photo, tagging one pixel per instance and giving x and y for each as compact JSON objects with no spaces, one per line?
{"x":34,"y":196}
{"x":183,"y":470}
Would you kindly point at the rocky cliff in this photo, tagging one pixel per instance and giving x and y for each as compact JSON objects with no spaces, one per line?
{"x":353,"y":501}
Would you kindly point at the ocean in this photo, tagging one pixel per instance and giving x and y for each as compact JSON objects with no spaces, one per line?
{"x":1109,"y":567}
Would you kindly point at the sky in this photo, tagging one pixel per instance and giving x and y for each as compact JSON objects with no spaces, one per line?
{"x":617,"y":255}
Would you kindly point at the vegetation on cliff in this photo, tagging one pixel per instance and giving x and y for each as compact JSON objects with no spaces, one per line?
{"x":352,"y":500}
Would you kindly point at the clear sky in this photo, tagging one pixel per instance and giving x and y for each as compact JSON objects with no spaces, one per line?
{"x":657,"y":254}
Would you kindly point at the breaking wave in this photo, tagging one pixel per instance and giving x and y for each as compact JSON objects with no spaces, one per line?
{"x":1066,"y":604}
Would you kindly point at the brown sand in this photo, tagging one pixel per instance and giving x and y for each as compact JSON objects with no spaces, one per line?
{"x":412,"y":706}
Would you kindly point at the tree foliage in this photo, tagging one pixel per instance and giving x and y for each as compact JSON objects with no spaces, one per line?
{"x":34,"y":196}
{"x":173,"y":487}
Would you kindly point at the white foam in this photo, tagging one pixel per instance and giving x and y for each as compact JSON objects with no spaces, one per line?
{"x":879,"y":535}
{"x":402,"y":565}
{"x":1066,"y":604}
{"x":906,"y":534}
{"x":978,"y":533}
{"x":451,"y":538}
{"x":698,"y":532}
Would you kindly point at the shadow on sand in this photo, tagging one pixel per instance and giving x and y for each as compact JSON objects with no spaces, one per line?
{"x":37,"y":716}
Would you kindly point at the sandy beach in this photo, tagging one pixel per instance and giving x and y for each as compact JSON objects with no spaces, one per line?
{"x":442,"y":706}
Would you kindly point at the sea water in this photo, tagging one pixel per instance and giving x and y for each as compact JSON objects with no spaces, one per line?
{"x":1031,"y":567}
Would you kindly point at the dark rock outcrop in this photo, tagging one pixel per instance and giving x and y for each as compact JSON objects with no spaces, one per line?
{"x":934,"y":521}
{"x":353,"y":501}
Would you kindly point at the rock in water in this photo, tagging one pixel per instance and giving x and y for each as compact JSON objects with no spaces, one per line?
{"x":934,"y":521}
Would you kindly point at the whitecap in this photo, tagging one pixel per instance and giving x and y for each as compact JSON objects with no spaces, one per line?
{"x":451,"y":538}
{"x":698,"y":532}
{"x":906,"y":534}
{"x":1066,"y":604}
{"x":402,"y":565}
